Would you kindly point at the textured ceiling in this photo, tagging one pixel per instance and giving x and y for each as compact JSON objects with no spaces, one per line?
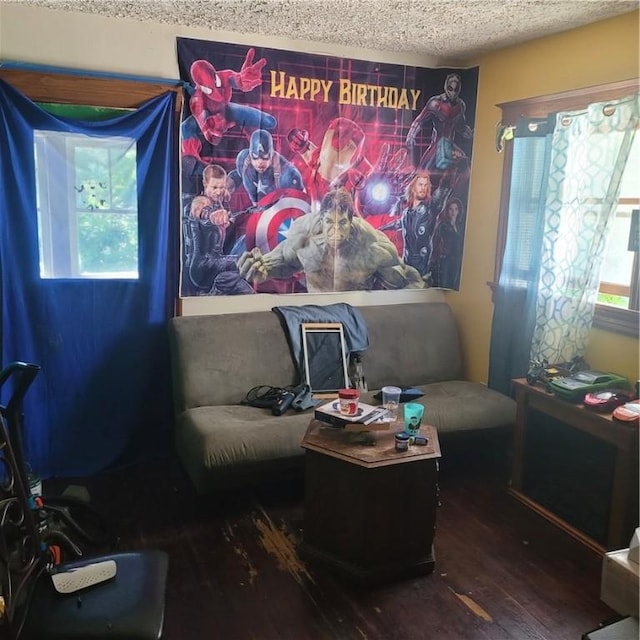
{"x":445,"y":29}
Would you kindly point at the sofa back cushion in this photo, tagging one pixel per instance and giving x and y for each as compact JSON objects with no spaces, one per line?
{"x":411,"y":344}
{"x":216,"y":359}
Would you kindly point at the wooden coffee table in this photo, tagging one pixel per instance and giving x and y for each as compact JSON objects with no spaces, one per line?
{"x":370,"y":511}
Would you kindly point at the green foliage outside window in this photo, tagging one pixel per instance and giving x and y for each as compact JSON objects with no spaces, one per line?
{"x":613,"y":301}
{"x":106,"y":200}
{"x":108,"y":243}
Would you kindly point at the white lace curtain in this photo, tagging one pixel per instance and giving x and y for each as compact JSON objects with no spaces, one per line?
{"x":589,"y":151}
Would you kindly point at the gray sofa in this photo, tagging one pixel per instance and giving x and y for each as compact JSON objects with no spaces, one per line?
{"x":216,"y":359}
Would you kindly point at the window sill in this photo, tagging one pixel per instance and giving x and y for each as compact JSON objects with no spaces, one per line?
{"x":616,"y":320}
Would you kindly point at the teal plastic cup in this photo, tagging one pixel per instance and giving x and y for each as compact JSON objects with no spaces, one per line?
{"x":413,"y":413}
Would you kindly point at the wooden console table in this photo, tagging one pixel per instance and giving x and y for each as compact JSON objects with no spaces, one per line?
{"x":543,"y":463}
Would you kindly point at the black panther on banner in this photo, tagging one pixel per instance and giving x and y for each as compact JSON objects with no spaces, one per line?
{"x":306,"y":173}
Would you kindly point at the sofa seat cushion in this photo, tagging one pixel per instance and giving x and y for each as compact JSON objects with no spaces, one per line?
{"x":457,"y":405}
{"x":220,"y":439}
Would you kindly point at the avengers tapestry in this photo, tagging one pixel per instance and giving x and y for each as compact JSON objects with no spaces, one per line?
{"x":306,"y":173}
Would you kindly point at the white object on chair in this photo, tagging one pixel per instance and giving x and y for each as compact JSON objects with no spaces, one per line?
{"x":82,"y":577}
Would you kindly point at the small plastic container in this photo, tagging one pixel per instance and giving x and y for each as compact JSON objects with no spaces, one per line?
{"x":349,"y":399}
{"x":402,"y":441}
{"x":391,"y":401}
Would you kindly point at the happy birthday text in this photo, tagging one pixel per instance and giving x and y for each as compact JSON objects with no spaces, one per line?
{"x":353,"y":93}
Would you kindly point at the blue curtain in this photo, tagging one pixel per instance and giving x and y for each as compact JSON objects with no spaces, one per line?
{"x":102,"y":399}
{"x":516,"y":293}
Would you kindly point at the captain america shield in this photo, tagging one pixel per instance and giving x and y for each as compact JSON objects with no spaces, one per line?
{"x":277,"y":210}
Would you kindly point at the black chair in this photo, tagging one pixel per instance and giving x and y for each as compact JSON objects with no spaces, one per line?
{"x":128,"y":606}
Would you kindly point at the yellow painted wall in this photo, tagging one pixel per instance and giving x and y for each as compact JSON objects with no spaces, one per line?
{"x":603,"y":52}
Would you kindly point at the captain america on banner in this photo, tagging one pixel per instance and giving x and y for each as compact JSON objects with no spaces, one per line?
{"x":261,"y":169}
{"x":287,"y":129}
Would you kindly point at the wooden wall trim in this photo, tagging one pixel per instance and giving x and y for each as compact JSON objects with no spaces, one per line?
{"x":67,"y":88}
{"x":541,"y":106}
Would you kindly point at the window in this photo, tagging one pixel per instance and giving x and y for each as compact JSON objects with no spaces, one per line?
{"x":82,"y":254}
{"x":87,"y":206}
{"x":617,"y":308}
{"x":619,"y":275}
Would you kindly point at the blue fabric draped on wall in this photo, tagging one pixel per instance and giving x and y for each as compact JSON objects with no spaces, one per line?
{"x":102,"y":399}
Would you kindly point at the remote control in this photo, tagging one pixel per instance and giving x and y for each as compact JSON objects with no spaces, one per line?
{"x":75,"y":579}
{"x":375,"y":415}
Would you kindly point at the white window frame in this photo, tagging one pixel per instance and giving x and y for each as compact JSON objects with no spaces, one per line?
{"x":58,"y":210}
{"x":615,"y":319}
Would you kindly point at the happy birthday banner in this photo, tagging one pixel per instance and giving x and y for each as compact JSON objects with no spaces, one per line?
{"x":309,"y":173}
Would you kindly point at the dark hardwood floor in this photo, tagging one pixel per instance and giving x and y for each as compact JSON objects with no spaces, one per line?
{"x":501,"y":573}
